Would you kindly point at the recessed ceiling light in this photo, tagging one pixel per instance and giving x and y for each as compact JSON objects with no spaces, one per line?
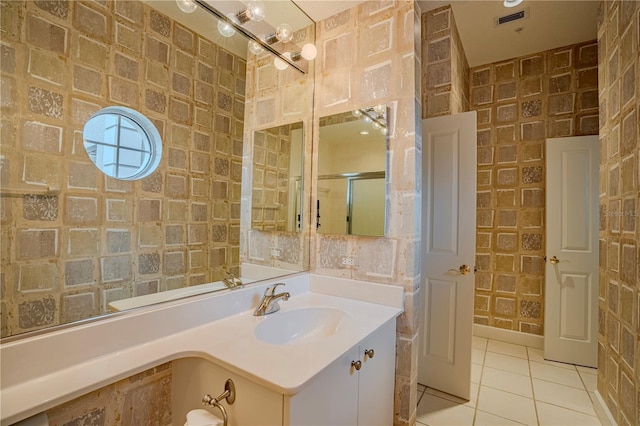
{"x":511,"y":3}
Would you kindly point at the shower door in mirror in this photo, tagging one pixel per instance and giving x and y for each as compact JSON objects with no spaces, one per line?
{"x":352,"y":158}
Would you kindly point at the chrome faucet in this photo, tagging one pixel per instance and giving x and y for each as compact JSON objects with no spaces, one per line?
{"x":231,"y":281}
{"x":269,"y":303}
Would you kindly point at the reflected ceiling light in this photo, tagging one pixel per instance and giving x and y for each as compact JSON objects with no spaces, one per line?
{"x":511,"y":3}
{"x":187,"y":6}
{"x":356,"y":113}
{"x":255,"y":11}
{"x":280,"y":64}
{"x":364,"y":132}
{"x":254,"y":47}
{"x":226,"y":29}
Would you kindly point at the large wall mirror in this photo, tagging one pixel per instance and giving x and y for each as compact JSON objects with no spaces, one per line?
{"x":352,"y":164}
{"x":79,"y":243}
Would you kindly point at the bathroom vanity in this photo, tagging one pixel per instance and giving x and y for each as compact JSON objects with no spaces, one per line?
{"x":309,"y":363}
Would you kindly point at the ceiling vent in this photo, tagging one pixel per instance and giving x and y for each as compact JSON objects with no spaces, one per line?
{"x":513,"y":17}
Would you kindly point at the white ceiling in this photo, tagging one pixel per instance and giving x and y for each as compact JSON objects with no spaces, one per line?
{"x":550,"y":24}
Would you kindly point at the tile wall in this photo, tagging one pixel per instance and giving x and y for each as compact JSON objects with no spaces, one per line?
{"x":445,"y":71}
{"x":619,"y":313}
{"x":142,"y":399}
{"x":520,"y":103}
{"x":369,"y":55}
{"x":67,"y":254}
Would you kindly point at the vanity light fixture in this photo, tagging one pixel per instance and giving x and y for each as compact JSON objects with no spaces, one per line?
{"x":225,"y":28}
{"x":255,"y":11}
{"x":187,"y":6}
{"x":229,"y":24}
{"x":308,"y":52}
{"x":511,"y":3}
{"x":284,"y":34}
{"x":254,"y":47}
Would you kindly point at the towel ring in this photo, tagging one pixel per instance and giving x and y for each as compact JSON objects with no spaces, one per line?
{"x":229,"y":395}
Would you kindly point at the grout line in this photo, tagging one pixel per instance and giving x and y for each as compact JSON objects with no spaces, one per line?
{"x":533,"y":390}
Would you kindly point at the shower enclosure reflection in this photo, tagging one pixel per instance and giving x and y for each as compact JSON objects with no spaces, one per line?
{"x":277,"y":196}
{"x":351,"y":172}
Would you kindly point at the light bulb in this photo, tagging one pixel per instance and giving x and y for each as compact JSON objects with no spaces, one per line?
{"x":254,"y":47}
{"x":376,"y":125}
{"x":356,"y":113}
{"x":383,"y":130}
{"x":309,"y":52}
{"x":511,"y":3}
{"x":225,"y":29}
{"x":256,"y":10}
{"x":187,"y":6}
{"x":284,"y":33}
{"x":280,"y":64}
{"x":367,"y":119}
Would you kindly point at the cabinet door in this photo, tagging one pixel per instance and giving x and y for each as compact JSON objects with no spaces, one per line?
{"x":330,"y":399}
{"x":377,"y":377}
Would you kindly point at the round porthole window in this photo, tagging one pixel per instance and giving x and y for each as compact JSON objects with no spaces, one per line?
{"x":122,"y":143}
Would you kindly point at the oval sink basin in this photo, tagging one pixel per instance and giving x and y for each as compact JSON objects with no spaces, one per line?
{"x":299,"y":325}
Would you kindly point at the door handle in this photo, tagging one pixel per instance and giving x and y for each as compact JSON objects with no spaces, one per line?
{"x":554,"y":260}
{"x":356,"y":364}
{"x":463,"y":270}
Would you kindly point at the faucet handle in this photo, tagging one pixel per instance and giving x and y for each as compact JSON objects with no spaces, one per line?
{"x":271,"y":290}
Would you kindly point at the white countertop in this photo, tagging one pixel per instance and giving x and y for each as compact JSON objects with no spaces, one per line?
{"x":216,"y":327}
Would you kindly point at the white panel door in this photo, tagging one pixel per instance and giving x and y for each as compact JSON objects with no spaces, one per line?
{"x":571,"y":275}
{"x":448,"y":252}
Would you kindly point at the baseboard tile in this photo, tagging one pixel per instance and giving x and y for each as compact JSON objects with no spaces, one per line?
{"x":603,"y":412}
{"x":508,"y":336}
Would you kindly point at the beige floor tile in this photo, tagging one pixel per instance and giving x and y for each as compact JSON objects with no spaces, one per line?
{"x":507,"y":405}
{"x":488,"y":419}
{"x":477,"y":356}
{"x":476,"y":373}
{"x":589,"y":380}
{"x":507,"y":381}
{"x":587,"y":370}
{"x":553,"y":415}
{"x":555,"y":374}
{"x":507,"y":363}
{"x":507,"y":349}
{"x":473,"y":398}
{"x":439,"y":412}
{"x":563,"y":396}
{"x":479,"y":343}
{"x":537,"y":355}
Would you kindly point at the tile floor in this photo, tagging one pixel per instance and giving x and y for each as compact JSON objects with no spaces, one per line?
{"x":513,"y":385}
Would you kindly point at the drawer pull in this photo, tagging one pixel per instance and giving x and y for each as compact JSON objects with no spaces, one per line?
{"x":356,"y":364}
{"x":369,"y":353}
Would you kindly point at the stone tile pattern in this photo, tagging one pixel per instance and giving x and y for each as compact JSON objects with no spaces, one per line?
{"x":520,"y":103}
{"x":271,"y":178}
{"x":369,"y":55}
{"x":445,"y":71}
{"x":66,"y":255}
{"x":274,"y":100}
{"x":144,"y":398}
{"x":619,"y":265}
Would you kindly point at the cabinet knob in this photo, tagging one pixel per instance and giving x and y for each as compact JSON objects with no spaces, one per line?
{"x":369,"y":353}
{"x":356,"y":364}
